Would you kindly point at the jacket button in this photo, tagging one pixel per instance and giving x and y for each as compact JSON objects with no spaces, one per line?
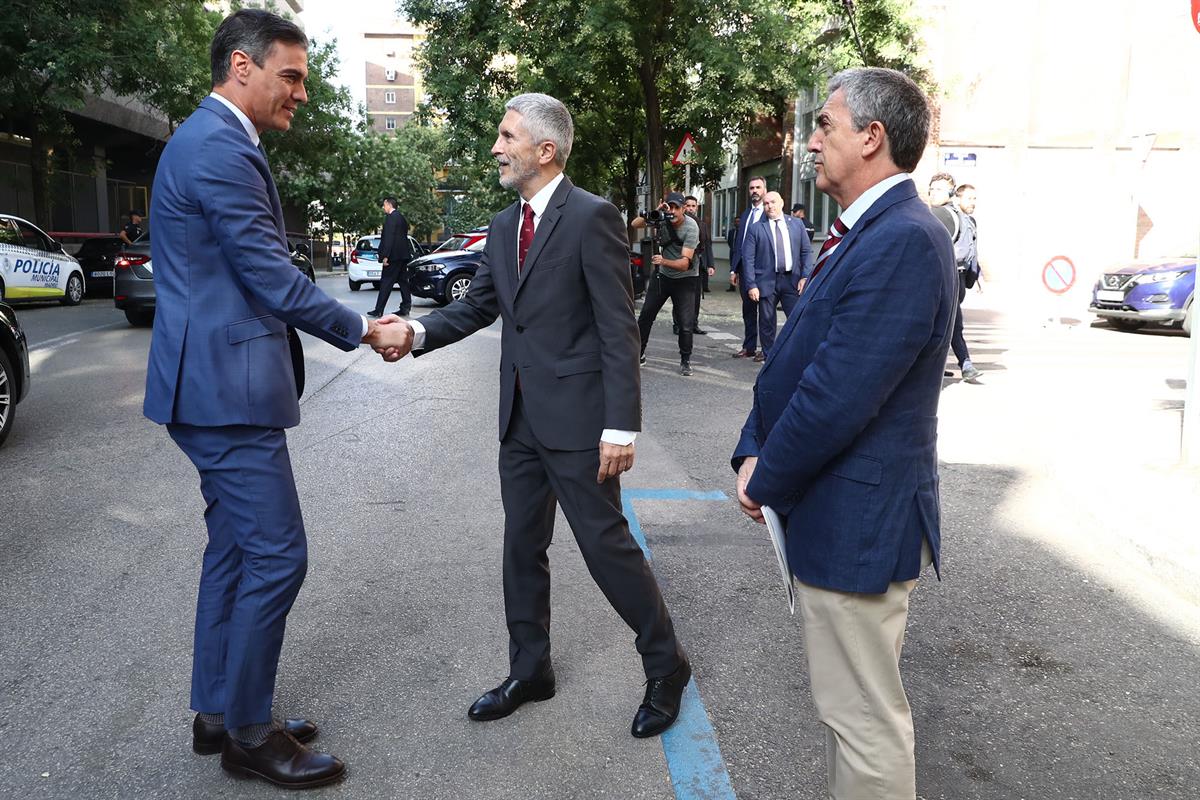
{"x":520,"y":329}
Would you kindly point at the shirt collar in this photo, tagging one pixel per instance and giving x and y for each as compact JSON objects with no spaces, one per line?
{"x":867,"y":199}
{"x":242,"y":118}
{"x":542,"y":199}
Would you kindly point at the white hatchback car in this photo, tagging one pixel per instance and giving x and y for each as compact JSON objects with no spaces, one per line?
{"x":364,"y":266}
{"x":34,"y":267}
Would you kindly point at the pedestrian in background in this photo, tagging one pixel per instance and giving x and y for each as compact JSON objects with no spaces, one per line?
{"x":801,"y":213}
{"x":776,"y":260}
{"x":704,"y":264}
{"x":841,"y":441}
{"x":961,"y":228}
{"x":394,"y":255}
{"x":757,"y":187}
{"x":133,"y":229}
{"x":676,"y":276}
{"x":730,"y":236}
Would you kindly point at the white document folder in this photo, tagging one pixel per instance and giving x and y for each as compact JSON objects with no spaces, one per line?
{"x":779,"y":542}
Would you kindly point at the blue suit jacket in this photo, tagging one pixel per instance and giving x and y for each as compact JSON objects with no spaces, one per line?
{"x":844,"y":422}
{"x":740,"y":239}
{"x":224,"y":284}
{"x":758,"y":254}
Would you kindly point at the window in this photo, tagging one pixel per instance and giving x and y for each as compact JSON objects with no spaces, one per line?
{"x":389,"y":123}
{"x":389,"y":74}
{"x":8,"y":233}
{"x":32,"y":238}
{"x":389,"y":97}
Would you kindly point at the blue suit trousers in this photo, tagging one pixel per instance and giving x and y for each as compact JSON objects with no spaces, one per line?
{"x":784,"y":294}
{"x":254,"y":564}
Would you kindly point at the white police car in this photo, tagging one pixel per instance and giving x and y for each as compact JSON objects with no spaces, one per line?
{"x":34,"y":267}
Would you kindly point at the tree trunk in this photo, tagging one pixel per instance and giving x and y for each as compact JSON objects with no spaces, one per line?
{"x":633,"y":159}
{"x":648,"y":74}
{"x":39,"y":169}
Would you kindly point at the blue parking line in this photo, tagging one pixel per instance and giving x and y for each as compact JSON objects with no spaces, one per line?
{"x":690,"y":745}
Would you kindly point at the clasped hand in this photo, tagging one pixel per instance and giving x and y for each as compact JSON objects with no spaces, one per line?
{"x":390,"y":337}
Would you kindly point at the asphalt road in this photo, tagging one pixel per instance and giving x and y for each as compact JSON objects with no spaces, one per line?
{"x":1034,"y":670}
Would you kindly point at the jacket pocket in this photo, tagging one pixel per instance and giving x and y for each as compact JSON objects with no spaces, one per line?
{"x":254,"y":327}
{"x":863,"y":469}
{"x":586,"y":362}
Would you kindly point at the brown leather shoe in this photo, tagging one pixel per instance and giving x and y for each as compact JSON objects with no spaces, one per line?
{"x":760,"y":357}
{"x":207,"y":738}
{"x":283,"y":761}
{"x":743,"y":353}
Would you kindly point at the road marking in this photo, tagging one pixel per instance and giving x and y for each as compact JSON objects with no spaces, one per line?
{"x":69,"y":336}
{"x":690,"y":745}
{"x":721,"y":335}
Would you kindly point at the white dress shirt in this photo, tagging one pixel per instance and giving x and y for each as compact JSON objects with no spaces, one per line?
{"x":786,"y":237}
{"x":252,"y":132}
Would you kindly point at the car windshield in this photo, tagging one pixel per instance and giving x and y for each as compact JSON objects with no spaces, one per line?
{"x":365,"y":245}
{"x":478,"y":246}
{"x":453,"y":243}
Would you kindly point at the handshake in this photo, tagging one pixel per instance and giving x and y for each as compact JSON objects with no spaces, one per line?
{"x":390,"y":337}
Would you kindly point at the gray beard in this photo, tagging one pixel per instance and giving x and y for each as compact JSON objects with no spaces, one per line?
{"x":516,"y":180}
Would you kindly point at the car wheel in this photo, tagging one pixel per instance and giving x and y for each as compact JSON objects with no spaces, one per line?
{"x":1126,"y":324}
{"x":140,"y":317}
{"x":457,"y":287}
{"x":74,"y":294}
{"x":8,"y":396}
{"x":1,"y":291}
{"x":354,"y":285}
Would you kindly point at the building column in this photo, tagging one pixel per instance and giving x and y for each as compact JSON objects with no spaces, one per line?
{"x":100,"y":163}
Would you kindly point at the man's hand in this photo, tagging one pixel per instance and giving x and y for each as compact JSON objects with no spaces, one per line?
{"x":754,"y":294}
{"x":733,"y":279}
{"x":614,"y":459}
{"x":800,"y":284}
{"x":750,"y":507}
{"x":384,"y":262}
{"x":390,"y":336}
{"x":712,"y":271}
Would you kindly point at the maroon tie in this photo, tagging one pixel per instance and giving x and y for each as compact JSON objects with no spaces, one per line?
{"x":831,"y":241}
{"x":526,"y":236}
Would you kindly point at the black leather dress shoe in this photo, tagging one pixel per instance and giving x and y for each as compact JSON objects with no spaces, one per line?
{"x":508,"y":697}
{"x":402,"y":311}
{"x":207,"y":737}
{"x":374,"y":314}
{"x":660,"y":707}
{"x":283,"y":761}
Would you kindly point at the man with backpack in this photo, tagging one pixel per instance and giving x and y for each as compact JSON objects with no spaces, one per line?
{"x":957,"y":217}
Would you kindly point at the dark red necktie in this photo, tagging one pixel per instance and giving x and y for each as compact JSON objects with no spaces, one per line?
{"x":526,"y":236}
{"x":831,"y":241}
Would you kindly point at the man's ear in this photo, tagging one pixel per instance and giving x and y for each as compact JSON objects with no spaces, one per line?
{"x":875,"y":139}
{"x":546,"y":152}
{"x":239,"y":66}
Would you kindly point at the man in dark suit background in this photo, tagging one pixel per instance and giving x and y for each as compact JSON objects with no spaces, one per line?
{"x":841,"y":439}
{"x":776,"y":261}
{"x":394,"y":255}
{"x":221,"y":378}
{"x":757,"y":187}
{"x":556,"y":268}
{"x":800,"y":212}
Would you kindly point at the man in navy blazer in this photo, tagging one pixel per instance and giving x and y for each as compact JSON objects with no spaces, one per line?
{"x":841,"y":439}
{"x":757,"y":188}
{"x":775,"y":275}
{"x":220,"y":377}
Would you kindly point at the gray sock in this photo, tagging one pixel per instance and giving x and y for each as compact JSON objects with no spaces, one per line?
{"x":255,"y":735}
{"x":213,"y":719}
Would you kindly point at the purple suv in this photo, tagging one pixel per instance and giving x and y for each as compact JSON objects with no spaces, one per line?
{"x":1160,"y":292}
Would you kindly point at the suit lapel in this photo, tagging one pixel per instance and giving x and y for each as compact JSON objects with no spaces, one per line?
{"x":545,"y":228}
{"x":504,"y":230}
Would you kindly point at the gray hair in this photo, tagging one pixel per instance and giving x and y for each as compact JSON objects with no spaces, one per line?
{"x":546,"y":120}
{"x":895,"y":101}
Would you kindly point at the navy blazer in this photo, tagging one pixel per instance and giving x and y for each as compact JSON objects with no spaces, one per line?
{"x":741,"y":237}
{"x":225,"y":288}
{"x":759,"y":254}
{"x":844,"y":421}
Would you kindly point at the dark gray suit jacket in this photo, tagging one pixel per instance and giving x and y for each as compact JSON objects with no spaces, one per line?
{"x":569,"y":329}
{"x":393,"y":243}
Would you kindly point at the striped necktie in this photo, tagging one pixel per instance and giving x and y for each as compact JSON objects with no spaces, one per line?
{"x":831,"y":241}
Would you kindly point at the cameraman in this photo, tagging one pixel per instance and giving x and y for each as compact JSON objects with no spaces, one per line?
{"x":676,"y":238}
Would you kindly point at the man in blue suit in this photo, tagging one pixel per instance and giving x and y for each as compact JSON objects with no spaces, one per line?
{"x":221,"y":378}
{"x":775,"y":263}
{"x":841,"y":439}
{"x":757,"y":188}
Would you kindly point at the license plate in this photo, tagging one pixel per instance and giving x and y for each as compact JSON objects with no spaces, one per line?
{"x":1110,"y":296}
{"x":104,"y":273}
{"x":374,"y":273}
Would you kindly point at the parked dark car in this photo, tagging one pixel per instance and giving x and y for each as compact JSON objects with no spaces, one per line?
{"x":445,"y":275}
{"x":1159,"y":293}
{"x":133,"y":283}
{"x":98,"y":257}
{"x":14,"y":368}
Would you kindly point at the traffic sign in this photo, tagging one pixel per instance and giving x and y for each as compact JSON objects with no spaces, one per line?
{"x":1059,"y":274}
{"x":1196,"y":14}
{"x":687,"y":152}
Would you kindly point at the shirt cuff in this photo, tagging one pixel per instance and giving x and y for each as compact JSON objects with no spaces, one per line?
{"x":366,"y":326}
{"x":619,"y":438}
{"x":418,"y":334}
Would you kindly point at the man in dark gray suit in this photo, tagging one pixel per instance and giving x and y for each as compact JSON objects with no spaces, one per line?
{"x":394,"y":255}
{"x":556,"y":268}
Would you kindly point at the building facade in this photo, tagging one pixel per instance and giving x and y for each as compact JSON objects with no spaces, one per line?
{"x":392,"y":81}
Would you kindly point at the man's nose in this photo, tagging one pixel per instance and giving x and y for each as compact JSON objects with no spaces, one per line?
{"x":300,"y":95}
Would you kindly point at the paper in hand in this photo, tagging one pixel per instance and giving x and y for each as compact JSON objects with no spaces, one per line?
{"x":776,"y":530}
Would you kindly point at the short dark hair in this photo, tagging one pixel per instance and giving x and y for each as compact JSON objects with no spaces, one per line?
{"x":798,"y":207}
{"x":692,"y":197}
{"x":895,"y":101}
{"x":942,"y":176}
{"x":254,"y":32}
{"x":754,"y":178}
{"x":392,"y":200}
{"x":962,"y":188}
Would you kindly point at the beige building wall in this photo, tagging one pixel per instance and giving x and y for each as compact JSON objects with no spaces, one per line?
{"x":393,"y":83}
{"x":1077,"y":123}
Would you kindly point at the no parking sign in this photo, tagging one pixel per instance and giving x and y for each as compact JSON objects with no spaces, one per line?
{"x":1059,"y":273}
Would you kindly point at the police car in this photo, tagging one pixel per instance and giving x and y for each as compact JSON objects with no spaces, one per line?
{"x":34,"y":267}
